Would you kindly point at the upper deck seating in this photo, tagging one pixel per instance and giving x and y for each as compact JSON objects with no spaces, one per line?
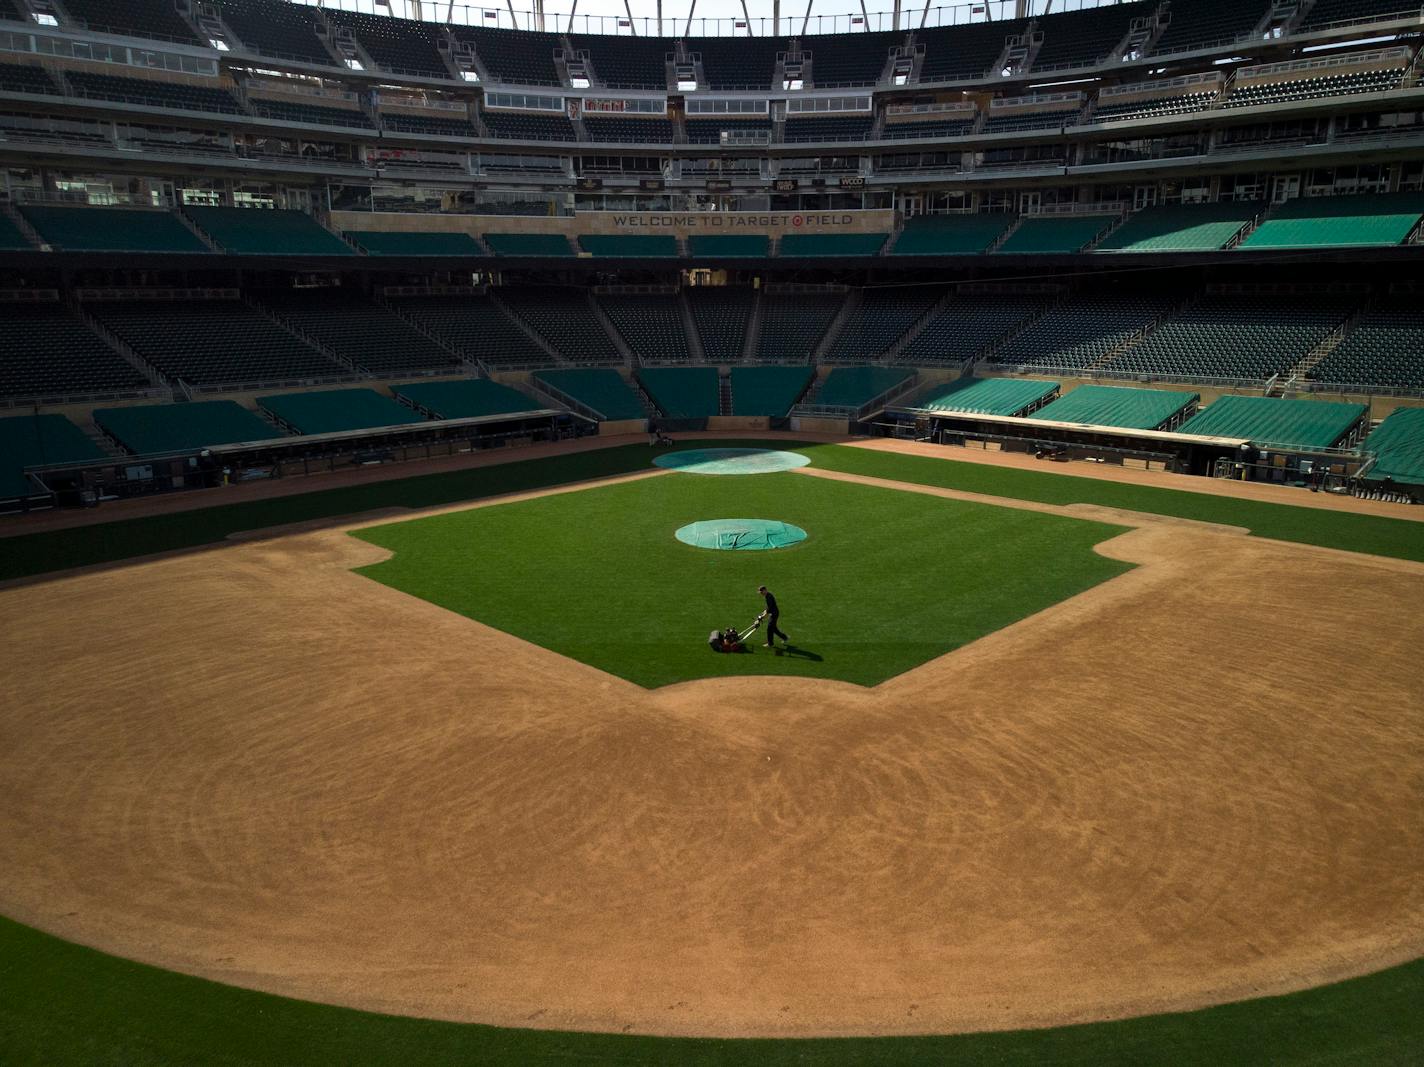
{"x":767,"y":390}
{"x":708,"y":129}
{"x":1329,"y":12}
{"x":1383,"y":350}
{"x":467,"y":398}
{"x":949,"y":235}
{"x":518,"y":57}
{"x":1339,"y":221}
{"x":929,"y":126}
{"x":793,"y":323}
{"x":1080,"y":331}
{"x":522,"y":127}
{"x":47,"y":351}
{"x":266,"y":232}
{"x":1055,"y":234}
{"x":529,"y":244}
{"x":475,"y":326}
{"x":312,"y":114}
{"x":370,"y":336}
{"x":20,"y":78}
{"x":964,"y":53}
{"x":832,"y":244}
{"x":147,"y":92}
{"x":968,"y":324}
{"x":427,"y":125}
{"x":403,"y":46}
{"x":879,"y":320}
{"x":1197,"y":24}
{"x":626,"y":62}
{"x":737,"y":62}
{"x":109,"y":229}
{"x":213,"y":342}
{"x":651,"y":324}
{"x":721,"y":314}
{"x":849,"y":58}
{"x":392,"y":243}
{"x":132,"y":18}
{"x":1151,"y":107}
{"x":637,"y":131}
{"x":1085,"y":38}
{"x":150,"y":429}
{"x":1239,"y":337}
{"x":276,"y":28}
{"x":1048,"y":119}
{"x":1279,"y":92}
{"x":336,"y":411}
{"x":1181,"y":227}
{"x":564,"y":318}
{"x":816,"y":129}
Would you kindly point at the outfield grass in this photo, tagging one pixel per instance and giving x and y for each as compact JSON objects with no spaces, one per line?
{"x":62,"y":1005}
{"x":885,"y":581}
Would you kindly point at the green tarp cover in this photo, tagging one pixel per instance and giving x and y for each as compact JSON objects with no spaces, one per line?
{"x":1106,"y":405}
{"x":1276,"y":421}
{"x":337,"y":410}
{"x":768,"y":390}
{"x":182,"y":427}
{"x":850,"y":387}
{"x":467,"y":399}
{"x":683,"y":392}
{"x":604,"y":391}
{"x":987,"y":396}
{"x":1398,"y":445}
{"x":37,"y":440}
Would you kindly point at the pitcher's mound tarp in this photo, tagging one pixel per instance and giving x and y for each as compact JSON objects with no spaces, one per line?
{"x":731,"y":461}
{"x":740,"y":535}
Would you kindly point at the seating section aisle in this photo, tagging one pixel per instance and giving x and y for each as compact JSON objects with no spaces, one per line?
{"x":1383,"y":350}
{"x":37,"y":441}
{"x":476,"y":327}
{"x":156,"y":428}
{"x":528,"y":244}
{"x":767,"y":390}
{"x":1336,"y":221}
{"x":110,"y":229}
{"x":879,"y":320}
{"x":1106,"y":405}
{"x":792,"y":324}
{"x":336,"y":410}
{"x":721,"y":315}
{"x":260,"y":232}
{"x":468,"y":398}
{"x":1277,"y":421}
{"x":386,"y":243}
{"x":1246,"y":338}
{"x":854,"y":387}
{"x":564,"y":318}
{"x":651,"y":324}
{"x":1398,"y":445}
{"x":832,"y":244}
{"x":949,"y":235}
{"x":372,"y":337}
{"x":683,"y":392}
{"x":1048,"y":234}
{"x":968,"y":324}
{"x":988,"y":396}
{"x":213,"y":342}
{"x":1080,"y":331}
{"x":46,"y":351}
{"x":1181,"y":227}
{"x":275,"y":28}
{"x":603,"y":391}
{"x":647,"y":247}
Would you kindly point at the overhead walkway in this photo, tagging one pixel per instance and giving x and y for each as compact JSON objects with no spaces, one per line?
{"x":1278,"y":421}
{"x":1106,"y":405}
{"x":336,"y":411}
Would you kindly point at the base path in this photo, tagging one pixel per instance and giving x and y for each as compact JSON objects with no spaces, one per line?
{"x":1193,"y":783}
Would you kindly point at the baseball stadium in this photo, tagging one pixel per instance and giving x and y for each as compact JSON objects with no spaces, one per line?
{"x":711,"y":533}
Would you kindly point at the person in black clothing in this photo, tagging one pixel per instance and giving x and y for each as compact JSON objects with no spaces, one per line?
{"x":771,"y":614}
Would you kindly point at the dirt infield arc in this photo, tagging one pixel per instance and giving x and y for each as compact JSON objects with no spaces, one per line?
{"x":295,"y":779}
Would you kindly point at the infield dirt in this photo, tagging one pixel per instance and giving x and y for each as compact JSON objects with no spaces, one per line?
{"x":1197,"y":782}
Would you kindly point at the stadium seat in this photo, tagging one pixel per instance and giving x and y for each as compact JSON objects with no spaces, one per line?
{"x":519,"y":57}
{"x":310,"y":114}
{"x":1322,"y":221}
{"x":1208,"y":23}
{"x":151,"y":93}
{"x":565,"y":319}
{"x":1080,"y":331}
{"x":949,"y":235}
{"x":1384,"y":350}
{"x":132,"y":18}
{"x":853,"y":387}
{"x":603,"y":391}
{"x":793,"y":324}
{"x":651,"y":324}
{"x":264,"y":232}
{"x":46,"y":351}
{"x":1181,"y":227}
{"x":276,"y":28}
{"x":475,"y":326}
{"x":1085,"y":38}
{"x":371,"y":337}
{"x":967,"y":325}
{"x":401,"y":46}
{"x":110,"y":229}
{"x":879,"y":320}
{"x":721,"y":315}
{"x":1055,"y":234}
{"x":849,"y":59}
{"x":528,"y":244}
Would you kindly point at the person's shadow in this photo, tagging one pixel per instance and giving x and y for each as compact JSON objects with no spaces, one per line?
{"x":798,"y":653}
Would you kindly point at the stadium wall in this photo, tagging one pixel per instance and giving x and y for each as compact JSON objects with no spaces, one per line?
{"x":625,"y":223}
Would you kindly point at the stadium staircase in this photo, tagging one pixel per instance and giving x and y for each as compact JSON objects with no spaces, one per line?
{"x":689,"y":327}
{"x":1318,"y":354}
{"x":916,"y":328}
{"x":1097,"y":365}
{"x":837,"y":324}
{"x":302,"y":335}
{"x":23,"y":225}
{"x":753,"y":337}
{"x":724,"y":396}
{"x":525,"y":328}
{"x":192,"y":227}
{"x":472,"y":365}
{"x":128,"y":352}
{"x":1009,"y":232}
{"x":630,"y":358}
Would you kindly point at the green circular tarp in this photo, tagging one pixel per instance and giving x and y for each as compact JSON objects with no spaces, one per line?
{"x":740,"y":535}
{"x":731,"y":461}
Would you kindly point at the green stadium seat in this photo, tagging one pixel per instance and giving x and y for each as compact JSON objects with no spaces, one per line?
{"x":879,"y":320}
{"x":968,"y":325}
{"x":467,"y":398}
{"x":370,"y":336}
{"x":1384,"y":350}
{"x":1053,"y":234}
{"x":721,"y":314}
{"x":1369,"y":219}
{"x":987,"y":396}
{"x":475,"y":326}
{"x":651,"y":324}
{"x":383,"y":243}
{"x":1080,"y":331}
{"x":46,"y":351}
{"x":793,"y":323}
{"x":109,"y":229}
{"x":336,"y":411}
{"x":854,"y":387}
{"x":39,"y":440}
{"x":157,"y":428}
{"x":565,"y":320}
{"x":1182,"y":227}
{"x":950,"y":235}
{"x":264,"y":232}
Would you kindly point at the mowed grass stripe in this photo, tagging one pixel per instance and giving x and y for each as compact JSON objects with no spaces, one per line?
{"x":62,"y":1004}
{"x":1376,"y":535}
{"x":885,"y":581}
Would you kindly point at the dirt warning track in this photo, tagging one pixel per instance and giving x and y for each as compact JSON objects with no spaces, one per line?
{"x":1190,"y":784}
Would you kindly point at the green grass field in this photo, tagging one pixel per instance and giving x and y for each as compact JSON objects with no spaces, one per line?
{"x":63,"y":1004}
{"x":885,"y":581}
